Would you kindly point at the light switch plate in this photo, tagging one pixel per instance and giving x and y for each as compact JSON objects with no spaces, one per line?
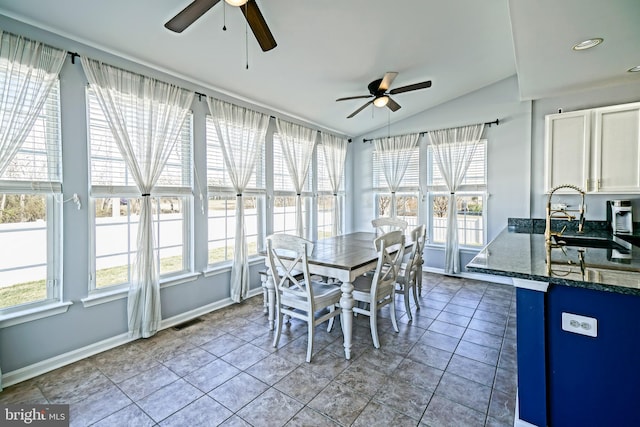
{"x":580,"y":324}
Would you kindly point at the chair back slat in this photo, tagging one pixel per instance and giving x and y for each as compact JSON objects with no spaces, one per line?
{"x":390,"y":247}
{"x":287,"y":255}
{"x":418,"y":236}
{"x":385,"y":224}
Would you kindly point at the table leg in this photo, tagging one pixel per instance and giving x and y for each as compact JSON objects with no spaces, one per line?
{"x":271,"y":293}
{"x":346,"y":302}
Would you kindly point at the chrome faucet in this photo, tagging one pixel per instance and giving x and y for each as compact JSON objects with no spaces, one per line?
{"x":562,"y":213}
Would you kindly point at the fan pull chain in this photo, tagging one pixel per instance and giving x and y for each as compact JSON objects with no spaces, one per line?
{"x":224,"y":16}
{"x":246,"y":35}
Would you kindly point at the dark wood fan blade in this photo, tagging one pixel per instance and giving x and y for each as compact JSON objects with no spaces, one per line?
{"x":258,"y":25}
{"x":189,"y":15}
{"x":388,"y":78}
{"x":408,"y":88}
{"x":393,"y":105}
{"x":359,"y":109}
{"x":354,"y":97}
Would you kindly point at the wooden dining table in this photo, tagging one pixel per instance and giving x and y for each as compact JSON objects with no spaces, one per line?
{"x":343,"y":258}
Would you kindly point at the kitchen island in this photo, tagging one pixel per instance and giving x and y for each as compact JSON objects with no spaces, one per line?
{"x":578,"y":322}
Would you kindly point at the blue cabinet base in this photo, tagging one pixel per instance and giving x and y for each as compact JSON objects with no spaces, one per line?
{"x":566,"y":378}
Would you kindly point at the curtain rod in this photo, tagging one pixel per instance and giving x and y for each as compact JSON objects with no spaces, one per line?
{"x":74,"y":55}
{"x":421,"y":133}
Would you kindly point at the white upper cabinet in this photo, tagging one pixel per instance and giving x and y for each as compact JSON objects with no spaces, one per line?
{"x":567,"y":149}
{"x":617,"y":149}
{"x":597,"y":150}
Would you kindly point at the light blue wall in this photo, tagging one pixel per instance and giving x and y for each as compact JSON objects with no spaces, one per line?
{"x":28,"y":343}
{"x":508,"y":156}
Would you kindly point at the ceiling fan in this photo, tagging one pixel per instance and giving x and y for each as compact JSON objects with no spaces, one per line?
{"x":249,"y":8}
{"x":378,"y":91}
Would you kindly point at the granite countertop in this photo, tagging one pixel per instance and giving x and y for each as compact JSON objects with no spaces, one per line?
{"x":520,"y":251}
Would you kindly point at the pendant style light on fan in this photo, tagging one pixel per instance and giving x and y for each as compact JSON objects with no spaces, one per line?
{"x":236,"y":2}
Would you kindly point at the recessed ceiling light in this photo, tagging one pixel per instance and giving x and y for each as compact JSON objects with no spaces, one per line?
{"x":634,"y":69}
{"x":588,"y":44}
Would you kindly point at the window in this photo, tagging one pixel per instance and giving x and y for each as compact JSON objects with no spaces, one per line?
{"x":30,"y":215}
{"x":470,"y":201}
{"x":115,"y":206}
{"x":284,"y":200}
{"x":222,"y":203}
{"x":407,"y":196}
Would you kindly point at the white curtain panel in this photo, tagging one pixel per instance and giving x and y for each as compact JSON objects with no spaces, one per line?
{"x":335,"y":154}
{"x":28,"y":70}
{"x":395,"y":153}
{"x":241,"y":133}
{"x":453,"y":150}
{"x":157,"y":110}
{"x":298,"y":143}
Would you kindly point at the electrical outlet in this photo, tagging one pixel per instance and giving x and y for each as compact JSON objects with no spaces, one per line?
{"x":580,"y":324}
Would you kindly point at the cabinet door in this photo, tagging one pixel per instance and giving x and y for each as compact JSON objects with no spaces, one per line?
{"x":617,"y":148}
{"x":567,"y":149}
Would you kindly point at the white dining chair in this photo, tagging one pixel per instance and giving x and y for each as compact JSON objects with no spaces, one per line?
{"x":301,"y":297}
{"x":386,"y":224}
{"x":379,"y":290}
{"x":410,"y":276}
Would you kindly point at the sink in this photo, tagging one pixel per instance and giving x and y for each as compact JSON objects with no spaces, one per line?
{"x":589,"y":242}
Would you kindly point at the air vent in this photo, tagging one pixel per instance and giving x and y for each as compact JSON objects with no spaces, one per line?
{"x":186,"y":324}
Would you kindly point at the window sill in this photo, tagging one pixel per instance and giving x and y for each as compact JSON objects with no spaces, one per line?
{"x":35,"y":313}
{"x":179,"y":279}
{"x":441,"y":246}
{"x":102,"y":297}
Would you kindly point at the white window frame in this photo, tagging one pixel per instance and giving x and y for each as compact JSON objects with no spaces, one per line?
{"x":50,"y":187}
{"x":184,"y":193}
{"x":465,"y":190}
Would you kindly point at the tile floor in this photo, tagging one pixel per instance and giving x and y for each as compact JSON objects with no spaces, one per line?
{"x":453,"y":365}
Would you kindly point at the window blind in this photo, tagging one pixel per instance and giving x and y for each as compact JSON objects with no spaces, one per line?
{"x":107,"y":166}
{"x":474,"y":179}
{"x":411,"y":178}
{"x":39,"y":160}
{"x":281,"y":178}
{"x":217,"y":173}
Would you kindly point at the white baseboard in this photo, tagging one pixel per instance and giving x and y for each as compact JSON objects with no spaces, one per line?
{"x":503,"y":280}
{"x":44,"y":366}
{"x":47,"y":365}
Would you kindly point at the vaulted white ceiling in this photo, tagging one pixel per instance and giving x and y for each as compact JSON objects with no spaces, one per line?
{"x":334,"y":48}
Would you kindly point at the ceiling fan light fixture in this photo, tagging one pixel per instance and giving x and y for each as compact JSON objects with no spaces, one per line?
{"x":634,"y":69}
{"x":381,"y":101}
{"x":236,"y":2}
{"x":588,"y":44}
